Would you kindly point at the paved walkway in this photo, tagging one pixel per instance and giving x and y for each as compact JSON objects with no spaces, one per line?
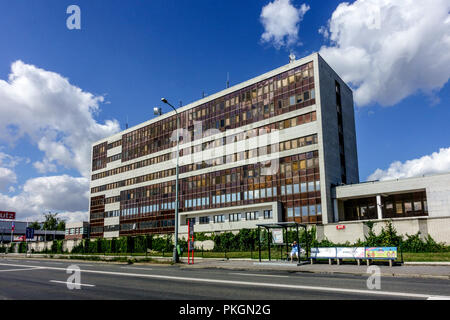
{"x":416,"y":271}
{"x":412,"y":269}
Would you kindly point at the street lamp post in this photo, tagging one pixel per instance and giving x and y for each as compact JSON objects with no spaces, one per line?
{"x":158,"y":111}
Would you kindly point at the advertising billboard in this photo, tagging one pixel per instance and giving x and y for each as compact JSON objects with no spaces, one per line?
{"x":7,"y":215}
{"x":381,"y":252}
{"x":350,"y":253}
{"x":323,"y":253}
{"x":277,"y":236}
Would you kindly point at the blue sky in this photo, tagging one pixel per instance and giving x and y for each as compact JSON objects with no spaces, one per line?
{"x":134,"y":52}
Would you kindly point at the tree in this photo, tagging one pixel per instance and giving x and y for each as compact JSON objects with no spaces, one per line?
{"x":61,"y":225}
{"x":52,"y":222}
{"x":35,"y":225}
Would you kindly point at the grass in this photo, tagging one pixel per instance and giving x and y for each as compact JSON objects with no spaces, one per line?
{"x":275,"y":255}
{"x":427,"y":256}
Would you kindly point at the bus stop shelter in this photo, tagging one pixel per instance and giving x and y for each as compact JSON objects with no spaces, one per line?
{"x":285,"y":226}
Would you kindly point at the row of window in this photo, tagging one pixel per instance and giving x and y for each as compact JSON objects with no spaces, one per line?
{"x":214,"y":113}
{"x":392,"y":206}
{"x":72,"y":231}
{"x":304,"y":211}
{"x":114,"y":158}
{"x":114,"y":144}
{"x":293,"y":168}
{"x":135,"y":226}
{"x":244,"y":155}
{"x":292,"y":122}
{"x":232,"y":217}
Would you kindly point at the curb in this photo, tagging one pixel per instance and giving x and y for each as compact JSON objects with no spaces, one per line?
{"x":392,"y":275}
{"x":427,"y":263}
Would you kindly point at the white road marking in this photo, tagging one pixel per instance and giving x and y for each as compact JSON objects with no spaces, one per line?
{"x":73,"y":283}
{"x":258,"y":275}
{"x":438,"y":298}
{"x":256,"y":284}
{"x":29,"y":268}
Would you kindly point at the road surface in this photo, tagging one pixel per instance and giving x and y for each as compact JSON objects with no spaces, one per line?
{"x":32,"y":279}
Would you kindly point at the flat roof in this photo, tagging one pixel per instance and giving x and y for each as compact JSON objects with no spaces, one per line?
{"x":394,"y":186}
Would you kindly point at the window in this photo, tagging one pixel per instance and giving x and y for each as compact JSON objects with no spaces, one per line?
{"x":204,"y":220}
{"x":290,"y":212}
{"x":303,"y":187}
{"x":234,"y":217}
{"x":219,"y":218}
{"x":297,"y":211}
{"x":304,"y":211}
{"x":408,"y":207}
{"x":398,"y":207}
{"x":251,"y":215}
{"x":306,"y":95}
{"x":291,"y":100}
{"x":417,"y":206}
{"x":268,"y":214}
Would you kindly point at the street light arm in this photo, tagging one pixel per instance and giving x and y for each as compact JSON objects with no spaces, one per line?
{"x":167,"y":102}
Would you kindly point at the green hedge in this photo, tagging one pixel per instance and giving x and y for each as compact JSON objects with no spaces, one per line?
{"x":247,"y":240}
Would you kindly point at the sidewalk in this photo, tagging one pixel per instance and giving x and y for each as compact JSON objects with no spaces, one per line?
{"x":436,"y":270}
{"x":411,"y":271}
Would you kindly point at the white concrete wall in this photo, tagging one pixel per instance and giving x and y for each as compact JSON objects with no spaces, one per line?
{"x":437,"y":228}
{"x":437,"y":189}
{"x":231,"y":225}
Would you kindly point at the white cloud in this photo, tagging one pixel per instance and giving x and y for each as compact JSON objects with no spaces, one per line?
{"x":437,"y":162}
{"x":9,"y":161}
{"x":7,"y":177}
{"x":56,"y":115}
{"x":45,"y":166}
{"x":390,"y":49}
{"x":64,"y":194}
{"x":281,"y":20}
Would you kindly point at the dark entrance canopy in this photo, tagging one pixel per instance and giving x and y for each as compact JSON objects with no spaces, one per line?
{"x":285,"y":226}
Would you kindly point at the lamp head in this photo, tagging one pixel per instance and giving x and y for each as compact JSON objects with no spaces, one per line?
{"x":157,"y":111}
{"x":164,"y":100}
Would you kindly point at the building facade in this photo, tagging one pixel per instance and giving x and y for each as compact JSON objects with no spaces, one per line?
{"x":19,"y":232}
{"x":77,"y":230}
{"x":266,"y":150}
{"x":420,"y":204}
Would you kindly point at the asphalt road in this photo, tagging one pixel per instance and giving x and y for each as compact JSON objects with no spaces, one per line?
{"x":37,"y":279}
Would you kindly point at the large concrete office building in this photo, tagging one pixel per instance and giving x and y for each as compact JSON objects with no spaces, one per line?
{"x":278,"y":147}
{"x":265,"y":150}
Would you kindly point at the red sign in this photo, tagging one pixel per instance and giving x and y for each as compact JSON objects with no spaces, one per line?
{"x":7,"y":215}
{"x":340,"y":227}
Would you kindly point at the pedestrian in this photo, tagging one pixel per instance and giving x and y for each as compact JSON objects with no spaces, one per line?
{"x":294,"y":251}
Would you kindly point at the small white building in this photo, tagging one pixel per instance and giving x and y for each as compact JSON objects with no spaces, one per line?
{"x":413,"y":204}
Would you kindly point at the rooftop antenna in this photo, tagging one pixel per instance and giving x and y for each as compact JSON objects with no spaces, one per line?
{"x":203,"y":94}
{"x":228,"y":80}
{"x":126,"y":124}
{"x":291,"y":58}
